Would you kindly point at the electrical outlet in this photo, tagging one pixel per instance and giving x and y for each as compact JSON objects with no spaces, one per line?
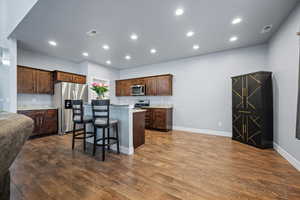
{"x":220,"y":124}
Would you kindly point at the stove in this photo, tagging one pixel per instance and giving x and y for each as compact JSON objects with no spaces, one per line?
{"x":142,"y":103}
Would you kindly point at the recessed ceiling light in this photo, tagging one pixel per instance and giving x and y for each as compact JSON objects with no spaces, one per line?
{"x":134,"y":36}
{"x":52,"y":43}
{"x":85,"y":54}
{"x":237,"y":20}
{"x":153,"y":51}
{"x":179,"y":11}
{"x":196,"y":47}
{"x":108,"y":62}
{"x":190,"y":34}
{"x":233,"y":39}
{"x":127,"y":57}
{"x":105,"y":47}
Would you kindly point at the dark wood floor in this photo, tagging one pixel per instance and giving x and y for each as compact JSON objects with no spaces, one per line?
{"x":169,"y":166}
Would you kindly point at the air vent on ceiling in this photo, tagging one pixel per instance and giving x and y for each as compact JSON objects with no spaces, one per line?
{"x":92,"y":33}
{"x":267,"y":28}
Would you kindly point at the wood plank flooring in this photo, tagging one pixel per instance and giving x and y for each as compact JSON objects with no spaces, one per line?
{"x":170,"y":166}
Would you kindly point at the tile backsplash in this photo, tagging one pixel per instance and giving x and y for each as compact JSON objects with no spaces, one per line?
{"x":27,"y":100}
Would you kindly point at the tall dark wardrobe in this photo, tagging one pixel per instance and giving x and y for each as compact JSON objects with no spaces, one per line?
{"x":252,"y":109}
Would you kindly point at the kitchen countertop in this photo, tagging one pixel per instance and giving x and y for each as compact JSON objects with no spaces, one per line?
{"x":36,"y":108}
{"x":138,"y":110}
{"x":158,"y":106}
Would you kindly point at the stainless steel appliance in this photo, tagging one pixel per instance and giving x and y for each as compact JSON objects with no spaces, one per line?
{"x":142,"y":103}
{"x":64,"y":93}
{"x":138,"y":90}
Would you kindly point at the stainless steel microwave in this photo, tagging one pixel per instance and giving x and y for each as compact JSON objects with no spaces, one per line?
{"x":138,"y":90}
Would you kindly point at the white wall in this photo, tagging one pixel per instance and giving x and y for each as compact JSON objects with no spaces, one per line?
{"x":42,"y":61}
{"x":105,"y":73}
{"x":202,"y":85}
{"x":284,"y":62}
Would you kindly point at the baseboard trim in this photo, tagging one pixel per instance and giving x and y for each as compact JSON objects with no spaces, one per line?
{"x":291,"y":159}
{"x":124,"y":150}
{"x":203,"y":131}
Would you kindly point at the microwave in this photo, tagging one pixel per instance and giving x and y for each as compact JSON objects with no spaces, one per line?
{"x":138,"y":90}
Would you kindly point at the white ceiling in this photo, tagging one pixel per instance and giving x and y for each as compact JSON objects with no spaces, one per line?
{"x":153,"y":21}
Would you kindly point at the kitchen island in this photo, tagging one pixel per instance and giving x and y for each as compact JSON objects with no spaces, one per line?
{"x":124,"y":114}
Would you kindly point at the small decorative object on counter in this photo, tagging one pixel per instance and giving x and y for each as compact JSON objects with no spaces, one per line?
{"x":100,"y":89}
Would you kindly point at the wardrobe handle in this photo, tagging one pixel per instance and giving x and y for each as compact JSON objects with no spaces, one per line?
{"x":245,"y":112}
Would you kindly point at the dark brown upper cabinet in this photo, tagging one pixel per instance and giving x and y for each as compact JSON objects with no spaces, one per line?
{"x":160,"y":85}
{"x":44,"y":82}
{"x":151,"y":86}
{"x":69,"y":77}
{"x":34,"y":81}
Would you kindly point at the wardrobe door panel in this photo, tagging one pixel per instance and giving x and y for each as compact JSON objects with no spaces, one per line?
{"x":237,"y":99}
{"x":237,"y":129}
{"x":254,"y":97}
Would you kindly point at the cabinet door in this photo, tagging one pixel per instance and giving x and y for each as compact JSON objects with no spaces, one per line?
{"x":126,"y":88}
{"x":49,"y":122}
{"x":253,"y":85}
{"x":253,"y":130}
{"x":118,"y":88}
{"x":26,"y":80}
{"x":238,"y":128}
{"x":44,"y":82}
{"x":37,"y":117}
{"x":151,"y":89}
{"x":79,"y":79}
{"x":164,"y":85}
{"x":237,"y":93}
{"x":159,"y":118}
{"x":149,"y":119}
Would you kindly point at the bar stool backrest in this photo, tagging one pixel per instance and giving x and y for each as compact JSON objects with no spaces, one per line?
{"x":77,"y":108}
{"x":100,"y":110}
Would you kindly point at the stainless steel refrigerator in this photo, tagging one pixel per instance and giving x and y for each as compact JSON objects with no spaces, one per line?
{"x":64,"y":93}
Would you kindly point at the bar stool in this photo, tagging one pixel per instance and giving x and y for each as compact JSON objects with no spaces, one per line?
{"x":80,"y":119}
{"x":102,"y":121}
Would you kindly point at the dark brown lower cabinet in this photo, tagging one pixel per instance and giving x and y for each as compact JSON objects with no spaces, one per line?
{"x":159,"y":118}
{"x":45,"y":121}
{"x":138,"y":129}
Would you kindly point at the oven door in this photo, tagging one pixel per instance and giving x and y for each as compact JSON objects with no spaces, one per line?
{"x":138,"y":90}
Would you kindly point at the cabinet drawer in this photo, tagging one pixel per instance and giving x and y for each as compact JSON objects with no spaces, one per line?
{"x":63,"y":77}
